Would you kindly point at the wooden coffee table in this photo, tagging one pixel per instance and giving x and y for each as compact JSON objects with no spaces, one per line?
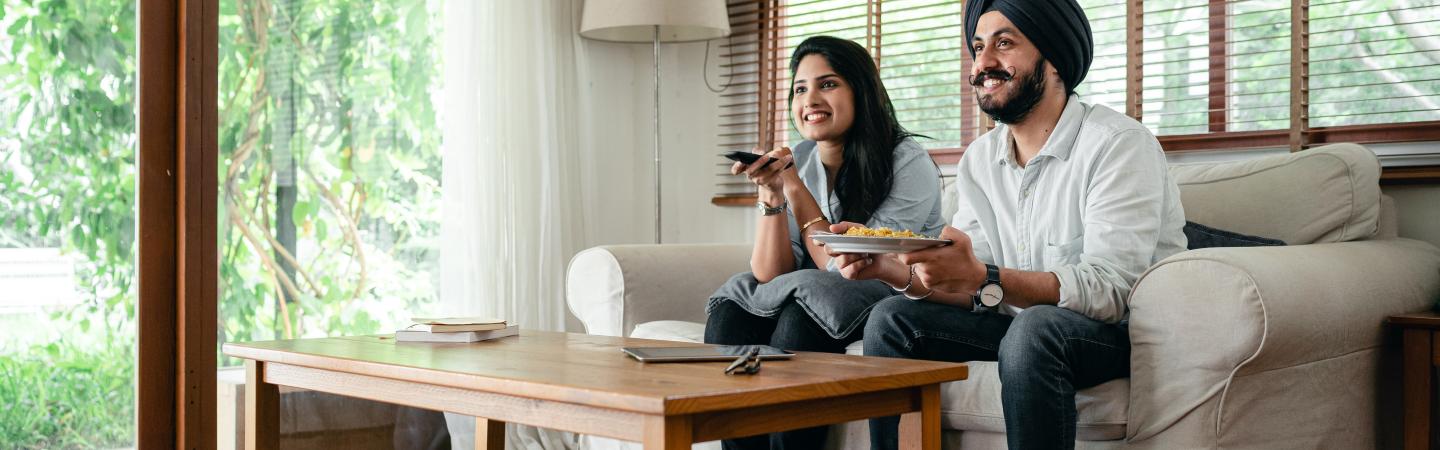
{"x":584,"y":384}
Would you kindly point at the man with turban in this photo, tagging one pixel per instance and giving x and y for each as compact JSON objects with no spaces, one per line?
{"x":1062,"y":207}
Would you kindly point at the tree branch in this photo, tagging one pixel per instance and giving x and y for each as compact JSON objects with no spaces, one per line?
{"x":351,"y":232}
{"x":265,"y":258}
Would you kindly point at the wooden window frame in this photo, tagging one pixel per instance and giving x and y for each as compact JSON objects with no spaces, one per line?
{"x":177,"y":194}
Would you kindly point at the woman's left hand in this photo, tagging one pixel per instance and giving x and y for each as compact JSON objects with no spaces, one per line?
{"x":860,"y":266}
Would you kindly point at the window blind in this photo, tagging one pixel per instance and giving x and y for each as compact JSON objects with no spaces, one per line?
{"x":920,"y":47}
{"x":1374,"y":62}
{"x":1105,"y":83}
{"x":1201,"y":74}
{"x":1216,"y":66}
{"x":743,"y":122}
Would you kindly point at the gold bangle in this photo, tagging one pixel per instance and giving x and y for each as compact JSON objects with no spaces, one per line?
{"x":811,"y":222}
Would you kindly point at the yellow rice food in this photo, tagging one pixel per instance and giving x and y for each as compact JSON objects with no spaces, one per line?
{"x":881,"y":232}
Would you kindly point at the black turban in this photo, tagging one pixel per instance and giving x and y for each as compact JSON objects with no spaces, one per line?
{"x":1057,"y":27}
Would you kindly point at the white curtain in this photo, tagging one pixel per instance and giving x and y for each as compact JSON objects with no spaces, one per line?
{"x":512,"y":207}
{"x":512,"y":204}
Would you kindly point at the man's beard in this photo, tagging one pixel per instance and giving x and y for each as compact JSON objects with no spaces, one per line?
{"x":1028,"y":93}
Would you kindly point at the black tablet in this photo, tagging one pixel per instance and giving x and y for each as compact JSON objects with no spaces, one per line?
{"x":702,"y":353}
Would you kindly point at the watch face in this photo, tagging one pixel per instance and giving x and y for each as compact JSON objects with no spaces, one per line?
{"x":991,"y":295}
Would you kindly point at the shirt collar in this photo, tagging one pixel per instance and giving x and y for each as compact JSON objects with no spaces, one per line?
{"x":1061,"y":142}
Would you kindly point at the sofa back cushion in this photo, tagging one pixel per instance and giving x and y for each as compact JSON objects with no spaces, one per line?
{"x":1324,"y":194}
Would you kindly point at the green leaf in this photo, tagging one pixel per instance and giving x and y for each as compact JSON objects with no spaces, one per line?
{"x":303,"y":209}
{"x":322,"y":230}
{"x":14,"y":29}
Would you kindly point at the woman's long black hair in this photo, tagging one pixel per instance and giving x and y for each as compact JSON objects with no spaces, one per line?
{"x":867,"y":172}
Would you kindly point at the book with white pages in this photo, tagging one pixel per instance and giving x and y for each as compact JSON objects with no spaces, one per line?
{"x":449,"y":324}
{"x":411,"y":334}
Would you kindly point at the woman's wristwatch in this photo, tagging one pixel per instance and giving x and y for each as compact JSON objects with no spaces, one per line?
{"x":767,"y":210}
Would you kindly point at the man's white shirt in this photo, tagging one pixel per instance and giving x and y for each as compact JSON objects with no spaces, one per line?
{"x":1096,"y":207}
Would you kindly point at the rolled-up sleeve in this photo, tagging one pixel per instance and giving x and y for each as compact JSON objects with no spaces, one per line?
{"x":1124,"y":205}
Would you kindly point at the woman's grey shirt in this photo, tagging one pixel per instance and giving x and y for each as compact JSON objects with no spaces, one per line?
{"x":913,"y":203}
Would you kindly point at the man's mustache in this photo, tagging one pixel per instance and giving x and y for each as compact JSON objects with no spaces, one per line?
{"x":1003,"y":75}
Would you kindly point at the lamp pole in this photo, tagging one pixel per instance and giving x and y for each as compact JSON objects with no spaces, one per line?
{"x":656,"y":47}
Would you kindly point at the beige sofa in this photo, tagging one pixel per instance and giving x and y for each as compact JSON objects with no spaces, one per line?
{"x":1261,"y":347}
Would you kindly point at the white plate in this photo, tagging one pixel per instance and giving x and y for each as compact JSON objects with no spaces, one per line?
{"x":875,"y":244}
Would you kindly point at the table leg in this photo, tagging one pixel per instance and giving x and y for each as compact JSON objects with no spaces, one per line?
{"x":1417,"y":362}
{"x":668,"y":433}
{"x":921,"y":429}
{"x":262,"y":409}
{"x":489,"y":434}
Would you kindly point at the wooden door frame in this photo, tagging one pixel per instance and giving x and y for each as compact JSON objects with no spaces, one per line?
{"x":177,"y":194}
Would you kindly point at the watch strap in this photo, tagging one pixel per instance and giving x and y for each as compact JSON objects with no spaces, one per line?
{"x":992,"y":276}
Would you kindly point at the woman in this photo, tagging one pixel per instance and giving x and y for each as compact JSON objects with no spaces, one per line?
{"x":857,"y":164}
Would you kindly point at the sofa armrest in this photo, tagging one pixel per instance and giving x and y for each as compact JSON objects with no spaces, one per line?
{"x":612,"y":288}
{"x":1235,"y":340}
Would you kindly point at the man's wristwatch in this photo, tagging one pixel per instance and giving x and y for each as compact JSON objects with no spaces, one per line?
{"x":767,"y":210}
{"x":991,"y":294}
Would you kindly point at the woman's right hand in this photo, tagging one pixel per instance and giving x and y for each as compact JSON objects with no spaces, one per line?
{"x":769,"y":176}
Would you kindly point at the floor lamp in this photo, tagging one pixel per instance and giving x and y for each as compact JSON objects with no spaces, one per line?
{"x":655,"y":21}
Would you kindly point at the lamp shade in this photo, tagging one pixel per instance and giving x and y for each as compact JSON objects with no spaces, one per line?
{"x":635,"y":20}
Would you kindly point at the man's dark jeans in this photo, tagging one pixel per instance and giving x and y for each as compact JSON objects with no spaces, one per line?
{"x":792,"y":329}
{"x":1046,"y":353}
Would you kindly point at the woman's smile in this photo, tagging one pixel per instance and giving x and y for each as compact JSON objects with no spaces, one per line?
{"x":816,"y":117}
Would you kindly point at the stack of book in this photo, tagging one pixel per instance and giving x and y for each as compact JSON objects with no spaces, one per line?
{"x":456,"y":329}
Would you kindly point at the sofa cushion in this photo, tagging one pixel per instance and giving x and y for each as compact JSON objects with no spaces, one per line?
{"x":1324,"y":194}
{"x":973,"y":404}
{"x":670,"y":330}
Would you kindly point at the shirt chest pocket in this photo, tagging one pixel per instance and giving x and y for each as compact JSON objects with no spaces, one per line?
{"x":1063,"y":252}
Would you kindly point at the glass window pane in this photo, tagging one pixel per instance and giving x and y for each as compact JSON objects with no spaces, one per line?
{"x":67,"y":224}
{"x":923,"y":64}
{"x":1105,"y":84}
{"x":1374,"y":62}
{"x":1175,"y":90}
{"x":1258,"y":76}
{"x":329,"y":166}
{"x":329,"y":174}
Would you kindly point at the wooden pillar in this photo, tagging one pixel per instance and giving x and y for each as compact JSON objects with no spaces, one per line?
{"x":177,"y":197}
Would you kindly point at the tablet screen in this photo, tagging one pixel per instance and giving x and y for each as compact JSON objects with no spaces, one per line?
{"x":702,"y":353}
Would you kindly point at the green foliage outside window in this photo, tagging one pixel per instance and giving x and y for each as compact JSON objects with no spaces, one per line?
{"x":332,"y":99}
{"x":67,"y":180}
